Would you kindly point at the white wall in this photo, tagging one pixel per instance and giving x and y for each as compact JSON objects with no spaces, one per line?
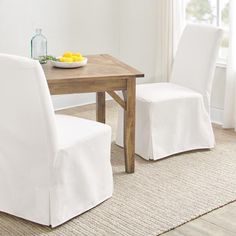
{"x":74,"y":25}
{"x":126,"y":29}
{"x":218,"y":92}
{"x":138,"y":36}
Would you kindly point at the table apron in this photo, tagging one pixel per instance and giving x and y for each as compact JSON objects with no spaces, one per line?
{"x":87,"y":86}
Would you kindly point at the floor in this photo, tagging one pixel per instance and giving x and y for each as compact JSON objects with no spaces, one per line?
{"x":221,"y":222}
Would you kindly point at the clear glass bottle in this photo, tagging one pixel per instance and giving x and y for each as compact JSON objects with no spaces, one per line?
{"x":39,"y":46}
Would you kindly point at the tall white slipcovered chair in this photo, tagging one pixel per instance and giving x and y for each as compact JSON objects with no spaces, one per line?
{"x":174,"y":117}
{"x":52,"y":168}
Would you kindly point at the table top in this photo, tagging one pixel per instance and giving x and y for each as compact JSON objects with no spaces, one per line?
{"x":98,"y":68}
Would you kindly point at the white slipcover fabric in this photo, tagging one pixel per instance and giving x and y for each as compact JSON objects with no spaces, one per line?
{"x":52,"y":167}
{"x":174,"y":117}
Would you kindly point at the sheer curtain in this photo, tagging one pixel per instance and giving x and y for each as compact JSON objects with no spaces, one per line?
{"x":164,"y":39}
{"x":230,"y":91}
{"x":171,"y":21}
{"x":179,"y":22}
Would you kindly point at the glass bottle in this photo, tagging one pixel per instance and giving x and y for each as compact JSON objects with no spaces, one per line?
{"x":39,"y":46}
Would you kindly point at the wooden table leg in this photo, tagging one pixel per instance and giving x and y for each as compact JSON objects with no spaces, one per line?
{"x":101,"y":107}
{"x":129,"y":126}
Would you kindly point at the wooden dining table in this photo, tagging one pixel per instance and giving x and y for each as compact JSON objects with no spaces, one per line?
{"x":102,"y":74}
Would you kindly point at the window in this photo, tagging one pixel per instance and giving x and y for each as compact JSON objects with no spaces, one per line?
{"x":215,"y":12}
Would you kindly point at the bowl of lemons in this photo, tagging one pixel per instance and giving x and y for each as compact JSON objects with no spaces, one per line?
{"x":70,"y":60}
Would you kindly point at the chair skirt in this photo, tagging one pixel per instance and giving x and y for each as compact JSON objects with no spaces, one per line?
{"x":169,"y":119}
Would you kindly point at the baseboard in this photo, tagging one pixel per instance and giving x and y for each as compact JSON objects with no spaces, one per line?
{"x":69,"y":101}
{"x":61,"y":102}
{"x":217,"y":115}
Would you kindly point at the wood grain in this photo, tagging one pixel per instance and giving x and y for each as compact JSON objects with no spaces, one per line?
{"x":86,"y":86}
{"x":98,"y":68}
{"x":129,"y":126}
{"x":219,"y":222}
{"x":117,"y":98}
{"x":101,"y":107}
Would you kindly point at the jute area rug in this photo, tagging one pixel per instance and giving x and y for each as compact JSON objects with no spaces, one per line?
{"x":160,"y":195}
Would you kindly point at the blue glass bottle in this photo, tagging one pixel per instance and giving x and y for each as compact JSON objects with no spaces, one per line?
{"x":39,"y":46}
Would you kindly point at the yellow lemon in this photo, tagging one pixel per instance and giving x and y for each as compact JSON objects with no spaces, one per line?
{"x":68,"y":59}
{"x":71,"y":57}
{"x":78,"y":54}
{"x":68,"y":54}
{"x":79,"y":59}
{"x":75,"y":58}
{"x":62,"y":59}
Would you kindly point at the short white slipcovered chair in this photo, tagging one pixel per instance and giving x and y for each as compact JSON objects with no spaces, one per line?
{"x":174,"y":117}
{"x":52,"y":167}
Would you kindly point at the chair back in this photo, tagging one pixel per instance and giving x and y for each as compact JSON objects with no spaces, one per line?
{"x":195,"y":59}
{"x":28,"y":139}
